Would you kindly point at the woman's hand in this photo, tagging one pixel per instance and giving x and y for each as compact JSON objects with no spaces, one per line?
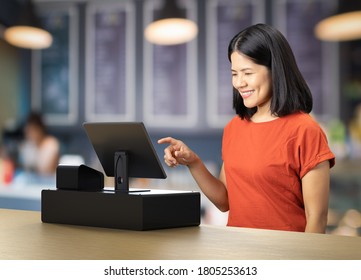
{"x":214,"y":188}
{"x":177,"y":153}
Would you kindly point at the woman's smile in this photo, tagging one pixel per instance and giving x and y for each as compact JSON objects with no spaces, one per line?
{"x":246,"y":93}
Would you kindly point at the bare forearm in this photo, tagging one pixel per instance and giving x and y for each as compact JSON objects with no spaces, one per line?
{"x":315,"y":187}
{"x":316,"y":223}
{"x":211,"y":186}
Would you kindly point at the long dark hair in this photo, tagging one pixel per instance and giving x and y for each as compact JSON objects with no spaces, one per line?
{"x":266,"y":46}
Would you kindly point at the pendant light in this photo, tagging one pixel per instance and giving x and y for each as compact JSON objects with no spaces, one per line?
{"x":27,"y":31}
{"x":344,"y":26}
{"x":171,"y":27}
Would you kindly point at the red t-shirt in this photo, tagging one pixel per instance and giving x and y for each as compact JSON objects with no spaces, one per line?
{"x":264,"y":164}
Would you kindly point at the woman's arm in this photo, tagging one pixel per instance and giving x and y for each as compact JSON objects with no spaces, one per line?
{"x":315,"y":188}
{"x":215,"y":189}
{"x":48,"y":157}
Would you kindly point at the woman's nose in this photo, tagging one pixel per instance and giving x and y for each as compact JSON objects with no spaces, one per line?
{"x":239,"y":82}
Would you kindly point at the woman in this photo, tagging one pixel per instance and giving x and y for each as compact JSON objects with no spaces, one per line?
{"x":276,"y":160}
{"x":40,"y":151}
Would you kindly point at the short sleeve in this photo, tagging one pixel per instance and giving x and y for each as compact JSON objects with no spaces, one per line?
{"x":314,"y":149}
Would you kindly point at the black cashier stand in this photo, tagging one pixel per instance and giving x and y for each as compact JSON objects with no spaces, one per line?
{"x":124,"y":150}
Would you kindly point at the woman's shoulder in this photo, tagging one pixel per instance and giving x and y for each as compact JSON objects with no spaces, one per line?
{"x":303,"y":123}
{"x":234,"y":124}
{"x":50,"y":142}
{"x":301,"y":119}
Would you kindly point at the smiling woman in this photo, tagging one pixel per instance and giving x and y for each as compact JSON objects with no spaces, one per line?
{"x":276,"y":159}
{"x":263,"y":45}
{"x":254,"y":84}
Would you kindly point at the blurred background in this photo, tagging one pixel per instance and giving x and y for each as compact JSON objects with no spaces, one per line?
{"x":103,"y":61}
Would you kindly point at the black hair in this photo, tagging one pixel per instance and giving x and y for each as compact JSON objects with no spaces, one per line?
{"x":266,"y":46}
{"x":36,"y":119}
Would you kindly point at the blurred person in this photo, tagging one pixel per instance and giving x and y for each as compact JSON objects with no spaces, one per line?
{"x":276,"y":159}
{"x":40,"y":151}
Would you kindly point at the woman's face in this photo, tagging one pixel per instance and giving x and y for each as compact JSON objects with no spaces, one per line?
{"x":33,"y":133}
{"x":253,"y":82}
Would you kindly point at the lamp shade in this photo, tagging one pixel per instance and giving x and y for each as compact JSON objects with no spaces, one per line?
{"x":27,"y":31}
{"x":343,"y":25}
{"x":28,"y":37}
{"x":171,"y":27}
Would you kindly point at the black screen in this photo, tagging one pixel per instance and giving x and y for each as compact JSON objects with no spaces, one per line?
{"x":130,"y":137}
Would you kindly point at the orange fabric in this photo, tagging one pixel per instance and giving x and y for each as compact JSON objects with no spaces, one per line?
{"x":264,"y":164}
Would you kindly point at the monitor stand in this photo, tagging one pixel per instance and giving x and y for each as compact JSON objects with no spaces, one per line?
{"x":121,"y":176}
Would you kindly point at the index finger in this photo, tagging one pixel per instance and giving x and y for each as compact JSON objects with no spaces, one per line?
{"x":168,"y":140}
